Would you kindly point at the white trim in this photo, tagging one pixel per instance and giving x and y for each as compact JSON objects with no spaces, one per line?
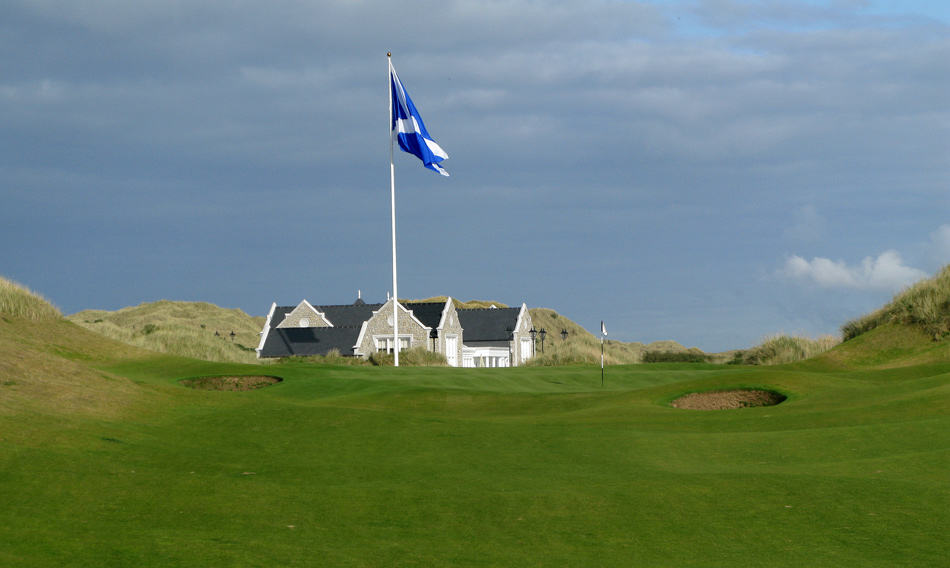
{"x":525,"y":341}
{"x":485,"y":357}
{"x":304,"y":304}
{"x":266,"y":330}
{"x":455,"y":354}
{"x":411,"y":315}
{"x":517,"y":338}
{"x":359,"y":339}
{"x":388,"y":338}
{"x":445,"y":312}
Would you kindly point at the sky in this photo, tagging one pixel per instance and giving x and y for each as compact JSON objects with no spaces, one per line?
{"x":708,"y":171}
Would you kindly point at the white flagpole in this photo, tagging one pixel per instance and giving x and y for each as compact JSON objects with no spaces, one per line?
{"x":392,"y":192}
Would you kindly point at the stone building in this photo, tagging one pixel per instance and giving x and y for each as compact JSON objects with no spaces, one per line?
{"x":490,"y":337}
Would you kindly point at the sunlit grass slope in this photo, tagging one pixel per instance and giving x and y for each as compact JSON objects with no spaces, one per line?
{"x":107,"y":460}
{"x":47,"y":365}
{"x":190,"y":329}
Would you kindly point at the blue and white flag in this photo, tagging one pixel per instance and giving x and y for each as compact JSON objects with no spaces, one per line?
{"x":410,"y":130}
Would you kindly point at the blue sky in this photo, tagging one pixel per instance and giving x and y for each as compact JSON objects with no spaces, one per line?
{"x":705,"y":171}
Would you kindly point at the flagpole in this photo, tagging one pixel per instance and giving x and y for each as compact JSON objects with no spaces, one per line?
{"x":392,"y":193}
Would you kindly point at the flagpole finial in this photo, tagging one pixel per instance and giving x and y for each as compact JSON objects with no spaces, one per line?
{"x":389,"y":54}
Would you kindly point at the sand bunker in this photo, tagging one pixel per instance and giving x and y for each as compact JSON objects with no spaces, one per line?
{"x":724,"y":400}
{"x":235,"y":383}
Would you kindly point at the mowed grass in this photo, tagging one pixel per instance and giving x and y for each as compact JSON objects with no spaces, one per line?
{"x":536,"y":466}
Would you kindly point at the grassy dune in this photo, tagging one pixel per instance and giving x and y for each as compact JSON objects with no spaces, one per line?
{"x":581,"y":346}
{"x":190,"y":329}
{"x":925,"y":305}
{"x":106,"y":459}
{"x":18,"y":301}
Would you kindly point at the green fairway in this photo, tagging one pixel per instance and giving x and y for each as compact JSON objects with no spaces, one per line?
{"x":367,"y":466}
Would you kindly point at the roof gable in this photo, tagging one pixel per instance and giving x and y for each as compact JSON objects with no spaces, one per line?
{"x":303,"y":313}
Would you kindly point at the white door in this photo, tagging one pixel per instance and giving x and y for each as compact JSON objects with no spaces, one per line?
{"x":452,"y":350}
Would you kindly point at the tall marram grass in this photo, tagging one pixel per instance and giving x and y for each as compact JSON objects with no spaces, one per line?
{"x":926,"y":304}
{"x":779,"y":349}
{"x":20,"y":302}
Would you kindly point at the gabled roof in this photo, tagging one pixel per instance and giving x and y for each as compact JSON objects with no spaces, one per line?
{"x":349,"y":315}
{"x":488,"y":324}
{"x":428,"y":313}
{"x":303,"y":341}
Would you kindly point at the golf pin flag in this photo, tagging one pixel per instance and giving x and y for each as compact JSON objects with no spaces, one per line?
{"x":410,"y":130}
{"x":603,"y":328}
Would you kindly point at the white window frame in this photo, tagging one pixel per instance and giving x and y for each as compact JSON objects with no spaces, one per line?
{"x":384,"y":343}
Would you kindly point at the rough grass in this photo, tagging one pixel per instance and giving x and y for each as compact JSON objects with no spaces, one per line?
{"x":459,"y":304}
{"x":782,"y":349}
{"x":18,"y":301}
{"x":582,"y":347}
{"x":925,"y":305}
{"x":189,"y":329}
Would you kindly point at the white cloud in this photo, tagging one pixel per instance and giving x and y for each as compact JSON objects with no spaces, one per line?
{"x":886,"y":272}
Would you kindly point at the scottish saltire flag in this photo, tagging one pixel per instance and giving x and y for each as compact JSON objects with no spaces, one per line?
{"x":410,"y":130}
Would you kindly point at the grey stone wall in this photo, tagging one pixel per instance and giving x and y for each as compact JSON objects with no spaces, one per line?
{"x":300,"y":312}
{"x":381,"y":325}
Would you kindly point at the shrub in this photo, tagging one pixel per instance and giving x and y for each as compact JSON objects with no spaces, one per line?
{"x":334,"y":357}
{"x":415,"y":357}
{"x":673,"y":357}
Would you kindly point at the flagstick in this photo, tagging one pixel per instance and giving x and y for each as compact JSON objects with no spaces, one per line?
{"x":601,"y":360}
{"x":392,"y":192}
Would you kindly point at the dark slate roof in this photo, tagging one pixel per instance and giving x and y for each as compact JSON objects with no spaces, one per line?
{"x":304,"y":341}
{"x":349,"y":315}
{"x":487,"y":324}
{"x":429,"y":313}
{"x":280,"y":312}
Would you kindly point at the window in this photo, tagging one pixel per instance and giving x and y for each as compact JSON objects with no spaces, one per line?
{"x":385,"y":343}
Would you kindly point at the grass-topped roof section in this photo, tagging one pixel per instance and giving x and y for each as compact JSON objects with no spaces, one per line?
{"x":19,"y":302}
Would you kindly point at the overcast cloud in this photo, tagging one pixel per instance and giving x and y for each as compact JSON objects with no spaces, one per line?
{"x":705,"y":171}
